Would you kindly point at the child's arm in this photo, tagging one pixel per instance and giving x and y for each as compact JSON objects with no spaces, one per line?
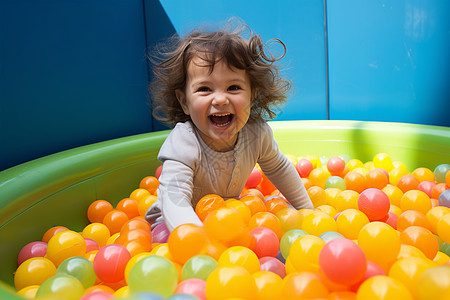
{"x":281,"y":172}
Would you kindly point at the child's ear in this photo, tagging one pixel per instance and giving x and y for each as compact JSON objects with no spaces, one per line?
{"x":181,"y":96}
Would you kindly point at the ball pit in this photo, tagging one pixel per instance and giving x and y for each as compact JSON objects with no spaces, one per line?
{"x":56,"y":192}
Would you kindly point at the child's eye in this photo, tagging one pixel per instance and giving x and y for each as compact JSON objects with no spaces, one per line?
{"x":203,"y":89}
{"x":234,"y":88}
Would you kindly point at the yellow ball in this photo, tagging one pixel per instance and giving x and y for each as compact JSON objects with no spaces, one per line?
{"x":33,"y":271}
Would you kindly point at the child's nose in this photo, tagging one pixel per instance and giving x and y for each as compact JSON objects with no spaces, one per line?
{"x":220,"y":99}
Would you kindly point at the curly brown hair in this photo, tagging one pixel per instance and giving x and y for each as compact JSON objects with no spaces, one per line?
{"x":172,"y":58}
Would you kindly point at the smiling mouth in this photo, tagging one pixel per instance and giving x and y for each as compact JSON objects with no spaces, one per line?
{"x":221,"y":120}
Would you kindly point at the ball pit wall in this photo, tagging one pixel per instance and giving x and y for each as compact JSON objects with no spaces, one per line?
{"x":57,"y":189}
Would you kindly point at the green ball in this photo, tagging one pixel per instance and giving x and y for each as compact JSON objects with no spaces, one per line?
{"x":287,"y":240}
{"x":335,"y":182}
{"x":80,"y":268}
{"x":199,"y":266}
{"x":154,"y":274}
{"x":61,"y":286}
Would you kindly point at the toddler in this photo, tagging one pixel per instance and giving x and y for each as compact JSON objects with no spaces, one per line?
{"x":218,"y":89}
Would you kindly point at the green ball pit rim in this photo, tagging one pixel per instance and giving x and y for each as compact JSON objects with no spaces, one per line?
{"x":24,"y":187}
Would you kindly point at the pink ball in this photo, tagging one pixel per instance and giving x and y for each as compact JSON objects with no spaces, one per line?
{"x":335,"y":165}
{"x":30,"y":250}
{"x":272,"y":264}
{"x":254,"y":179}
{"x":426,"y":187}
{"x":99,"y":295}
{"x":160,"y":234}
{"x":91,"y":245}
{"x":343,"y":261}
{"x":266,"y":242}
{"x":374,"y":203}
{"x":192,"y":286}
{"x":158,"y":172}
{"x":304,"y":167}
{"x":390,"y":219}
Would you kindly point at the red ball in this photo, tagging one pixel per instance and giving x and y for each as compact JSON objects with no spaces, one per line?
{"x":158,"y":172}
{"x":343,"y":261}
{"x":335,"y":165}
{"x":30,"y":250}
{"x":390,"y":219}
{"x":254,"y":179}
{"x":374,"y":203}
{"x":110,"y":263}
{"x":304,"y":167}
{"x":266,"y":242}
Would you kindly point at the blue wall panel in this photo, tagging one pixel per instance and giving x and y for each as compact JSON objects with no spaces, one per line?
{"x":299,"y":24}
{"x":72,"y":72}
{"x":389,"y":60}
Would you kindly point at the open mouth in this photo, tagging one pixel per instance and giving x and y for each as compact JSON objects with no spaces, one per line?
{"x":221,"y":120}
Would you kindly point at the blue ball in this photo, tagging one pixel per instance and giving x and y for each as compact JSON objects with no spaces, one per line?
{"x":444,"y":198}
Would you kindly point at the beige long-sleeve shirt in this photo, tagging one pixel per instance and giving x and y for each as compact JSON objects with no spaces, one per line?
{"x":192,"y":170}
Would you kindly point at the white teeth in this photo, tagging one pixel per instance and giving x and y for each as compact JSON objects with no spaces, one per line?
{"x":223,"y":125}
{"x":221,"y":115}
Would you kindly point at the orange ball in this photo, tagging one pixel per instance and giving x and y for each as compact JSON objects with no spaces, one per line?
{"x":136,"y":223}
{"x":150,"y":183}
{"x":254,"y":203}
{"x":224,"y":223}
{"x":421,"y":238}
{"x":187,"y":240}
{"x":423,"y":174}
{"x":412,"y":218}
{"x":274,"y":204}
{"x":207,"y":204}
{"x":266,"y":219}
{"x":114,"y":220}
{"x":319,"y":176}
{"x":128,"y":206}
{"x":317,"y":195}
{"x":376,"y":178}
{"x":97,"y":210}
{"x":52,"y":231}
{"x":303,"y":285}
{"x":438,"y":189}
{"x":355,"y":181}
{"x":407,"y":183}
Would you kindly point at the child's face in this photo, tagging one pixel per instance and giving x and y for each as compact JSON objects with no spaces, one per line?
{"x":218,"y":102}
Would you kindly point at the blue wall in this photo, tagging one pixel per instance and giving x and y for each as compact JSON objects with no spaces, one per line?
{"x":74,"y":72}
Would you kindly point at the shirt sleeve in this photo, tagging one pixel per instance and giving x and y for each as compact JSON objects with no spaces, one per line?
{"x":179,"y":155}
{"x":281,"y":172}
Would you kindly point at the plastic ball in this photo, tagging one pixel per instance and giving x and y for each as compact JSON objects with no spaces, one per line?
{"x":150,"y":183}
{"x":394,"y":193}
{"x":65,"y":244}
{"x":374,"y":203}
{"x":330,"y":235}
{"x":98,"y":232}
{"x":318,"y":177}
{"x":160,"y":234}
{"x":97,"y":210}
{"x":317,"y":195}
{"x":269,"y":285}
{"x":114,"y":220}
{"x":355,"y":181}
{"x":266,"y":242}
{"x":240,"y":256}
{"x":133,"y":260}
{"x":268,"y":220}
{"x":289,"y":218}
{"x":243,"y":209}
{"x":434,"y":283}
{"x":376,"y":178}
{"x":110,"y":263}
{"x":443,"y":228}
{"x":30,"y":250}
{"x":383,"y":161}
{"x":350,"y":222}
{"x":335,"y":165}
{"x":273,"y":265}
{"x":99,"y":295}
{"x":304,"y":253}
{"x":346,"y":199}
{"x":408,"y":270}
{"x":391,"y":219}
{"x":335,"y":182}
{"x":208,"y":204}
{"x":343,"y":261}
{"x":407,"y":183}
{"x":383,"y":287}
{"x":275,"y":203}
{"x":187,"y":240}
{"x":412,"y":218}
{"x":158,"y":171}
{"x":423,"y":174}
{"x":91,"y":245}
{"x":154,"y":274}
{"x":354,"y":163}
{"x":421,"y":238}
{"x":61,"y":286}
{"x":415,"y":200}
{"x":224,"y":223}
{"x":434,"y":215}
{"x":380,"y":243}
{"x":303,"y":285}
{"x":130,"y":206}
{"x":444,"y":198}
{"x":28,"y":292}
{"x":199,"y":266}
{"x":395,"y":175}
{"x":254,"y":203}
{"x":192,"y":286}
{"x":304,"y":167}
{"x":230,"y":282}
{"x":80,"y":268}
{"x":254,"y":179}
{"x":33,"y":271}
{"x":288,"y":238}
{"x":52,"y":231}
{"x":440,"y":172}
{"x":318,"y":222}
{"x":144,"y":204}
